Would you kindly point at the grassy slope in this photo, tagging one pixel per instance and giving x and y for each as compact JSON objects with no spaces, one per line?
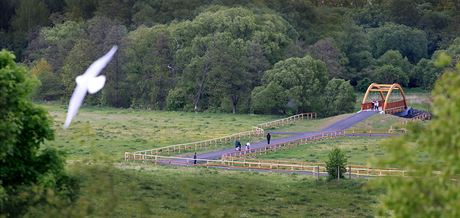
{"x":169,"y":192}
{"x":150,"y":191}
{"x":111,"y":132}
{"x":359,"y":150}
{"x":380,"y":122}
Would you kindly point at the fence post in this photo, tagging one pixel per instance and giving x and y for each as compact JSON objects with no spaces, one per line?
{"x":317,"y":172}
{"x":338,"y":173}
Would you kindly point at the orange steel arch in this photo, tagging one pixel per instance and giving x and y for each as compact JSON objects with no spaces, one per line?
{"x":385,"y":91}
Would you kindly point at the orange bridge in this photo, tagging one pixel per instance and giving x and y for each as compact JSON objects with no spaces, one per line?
{"x":385,"y":104}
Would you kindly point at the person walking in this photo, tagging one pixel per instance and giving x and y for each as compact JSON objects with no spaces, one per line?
{"x":268,"y":138}
{"x":237,"y":143}
{"x":194,"y":158}
{"x":247,"y":146}
{"x":377,"y":105}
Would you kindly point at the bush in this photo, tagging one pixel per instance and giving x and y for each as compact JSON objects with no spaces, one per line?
{"x":337,"y":160}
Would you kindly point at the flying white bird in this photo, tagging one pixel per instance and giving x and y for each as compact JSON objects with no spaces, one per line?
{"x":88,"y":82}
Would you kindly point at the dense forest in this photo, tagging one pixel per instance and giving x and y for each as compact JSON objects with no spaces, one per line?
{"x":260,"y":56}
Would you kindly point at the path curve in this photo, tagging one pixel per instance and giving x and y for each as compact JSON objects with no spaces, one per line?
{"x":342,"y":124}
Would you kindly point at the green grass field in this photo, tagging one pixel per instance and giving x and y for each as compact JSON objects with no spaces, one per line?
{"x":380,"y":122}
{"x":359,"y":150}
{"x":103,"y":134}
{"x":110,"y":132}
{"x":149,"y":191}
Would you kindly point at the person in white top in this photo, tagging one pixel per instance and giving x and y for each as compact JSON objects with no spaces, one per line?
{"x":247,"y":146}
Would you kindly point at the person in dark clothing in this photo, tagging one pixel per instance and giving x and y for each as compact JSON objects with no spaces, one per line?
{"x":237,"y":144}
{"x":194,"y":158}
{"x":268,"y":138}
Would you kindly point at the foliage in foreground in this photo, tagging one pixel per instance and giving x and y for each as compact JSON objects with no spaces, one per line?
{"x":27,"y":174}
{"x":157,"y":191}
{"x":433,"y":188}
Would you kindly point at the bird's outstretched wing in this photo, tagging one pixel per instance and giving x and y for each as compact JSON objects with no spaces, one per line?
{"x":95,"y":68}
{"x":75,"y":103}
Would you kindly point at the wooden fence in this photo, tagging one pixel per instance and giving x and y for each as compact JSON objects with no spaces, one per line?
{"x":287,"y":121}
{"x":315,"y":168}
{"x":284,"y":145}
{"x":256,"y":131}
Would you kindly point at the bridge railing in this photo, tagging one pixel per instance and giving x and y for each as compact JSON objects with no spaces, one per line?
{"x":317,"y":168}
{"x":395,"y":107}
{"x":255,"y":132}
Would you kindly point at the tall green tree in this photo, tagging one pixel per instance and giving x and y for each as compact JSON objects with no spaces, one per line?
{"x":23,"y":128}
{"x":302,"y":80}
{"x":410,"y":42}
{"x":432,"y":188}
{"x":339,"y":97}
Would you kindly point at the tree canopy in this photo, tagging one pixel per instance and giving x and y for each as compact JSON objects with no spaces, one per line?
{"x":23,"y":128}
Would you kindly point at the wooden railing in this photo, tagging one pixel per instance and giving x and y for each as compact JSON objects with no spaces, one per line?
{"x":422,"y":116}
{"x":256,"y":131}
{"x":370,"y":131}
{"x":315,"y":168}
{"x":192,"y":146}
{"x":395,"y":107}
{"x":287,"y":121}
{"x":284,"y":145}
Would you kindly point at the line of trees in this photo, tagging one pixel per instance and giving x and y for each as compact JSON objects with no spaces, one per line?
{"x":231,"y":56}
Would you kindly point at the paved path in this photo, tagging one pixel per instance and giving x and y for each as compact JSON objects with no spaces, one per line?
{"x":337,"y":126}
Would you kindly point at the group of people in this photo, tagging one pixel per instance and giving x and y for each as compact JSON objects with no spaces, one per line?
{"x":375,"y":105}
{"x":238,"y":143}
{"x":237,"y":146}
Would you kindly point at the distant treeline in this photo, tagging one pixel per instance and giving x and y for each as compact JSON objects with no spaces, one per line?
{"x":262,"y":56}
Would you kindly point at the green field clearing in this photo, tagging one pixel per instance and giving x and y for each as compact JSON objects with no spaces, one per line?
{"x":359,"y":150}
{"x":380,"y":122}
{"x":110,"y":132}
{"x":149,"y":191}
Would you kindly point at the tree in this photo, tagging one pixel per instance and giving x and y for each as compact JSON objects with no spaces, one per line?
{"x":339,"y":97}
{"x":354,"y":42}
{"x":23,"y":128}
{"x":432,"y":188}
{"x":389,"y":74}
{"x":336,"y":164}
{"x":425,"y":74}
{"x":269,"y":99}
{"x":326,"y":51}
{"x":302,"y":81}
{"x":410,"y":42}
{"x":51,"y":87}
{"x":395,"y":59}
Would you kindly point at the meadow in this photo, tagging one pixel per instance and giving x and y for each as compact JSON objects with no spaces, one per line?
{"x":95,"y":143}
{"x":160,"y":191}
{"x":358,"y":150}
{"x":109,"y":132}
